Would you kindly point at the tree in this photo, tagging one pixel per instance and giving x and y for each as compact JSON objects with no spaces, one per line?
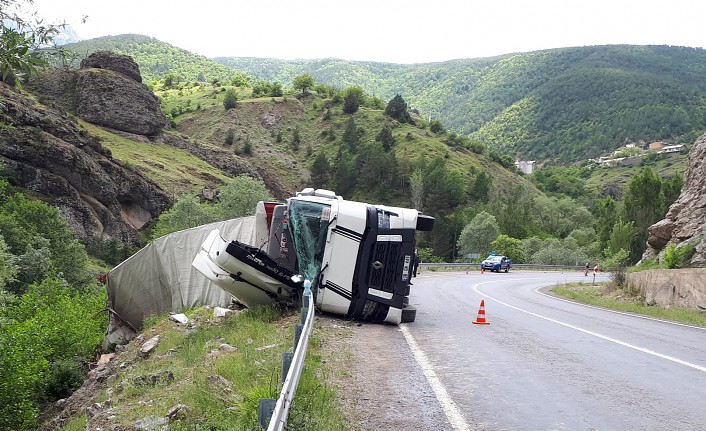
{"x":606,"y":216}
{"x":514,"y":209}
{"x":436,"y":127}
{"x":320,"y":170}
{"x":510,"y":247}
{"x":8,"y":267}
{"x":416,"y":183}
{"x":480,"y":190}
{"x":397,"y":109}
{"x":23,"y":222}
{"x":445,"y":188}
{"x":247,"y":146}
{"x":554,"y":251}
{"x":385,"y":138}
{"x":239,"y":196}
{"x":345,"y":175}
{"x":351,"y":136}
{"x":230,"y":136}
{"x":621,"y":237}
{"x":478,"y":234}
{"x":296,"y":139}
{"x":230,"y":100}
{"x":187,"y":212}
{"x":303,"y":83}
{"x":644,"y":204}
{"x":169,"y":80}
{"x":354,"y":97}
{"x":672,"y":189}
{"x":25,"y":46}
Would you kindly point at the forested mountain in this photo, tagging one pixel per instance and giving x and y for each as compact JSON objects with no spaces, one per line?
{"x":158,"y":59}
{"x":558,"y":105}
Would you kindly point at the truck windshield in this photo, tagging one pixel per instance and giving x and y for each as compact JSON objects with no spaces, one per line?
{"x":309,"y":222}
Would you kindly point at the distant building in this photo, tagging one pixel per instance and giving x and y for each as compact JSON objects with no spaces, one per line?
{"x":672,"y":149}
{"x":656,"y":145}
{"x":526,"y":166}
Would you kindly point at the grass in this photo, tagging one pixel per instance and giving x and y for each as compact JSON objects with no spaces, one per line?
{"x":221,"y":389}
{"x":172,"y":168}
{"x":76,"y":424}
{"x":603,"y":295}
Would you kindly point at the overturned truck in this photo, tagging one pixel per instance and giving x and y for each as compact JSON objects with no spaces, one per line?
{"x":359,"y":257}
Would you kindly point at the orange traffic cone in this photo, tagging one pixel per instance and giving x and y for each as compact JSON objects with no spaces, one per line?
{"x":480,"y":320}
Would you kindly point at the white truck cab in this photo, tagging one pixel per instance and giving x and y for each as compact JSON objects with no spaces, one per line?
{"x":359,"y":256}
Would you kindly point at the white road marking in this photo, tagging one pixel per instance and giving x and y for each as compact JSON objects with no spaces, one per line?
{"x":624,"y":313}
{"x":595,"y":334}
{"x":452,"y":413}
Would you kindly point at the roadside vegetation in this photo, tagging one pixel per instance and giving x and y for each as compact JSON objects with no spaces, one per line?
{"x":607,"y":295}
{"x":213,"y":372}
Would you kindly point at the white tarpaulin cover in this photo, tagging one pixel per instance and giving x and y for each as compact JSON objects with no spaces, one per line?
{"x":160,"y":278}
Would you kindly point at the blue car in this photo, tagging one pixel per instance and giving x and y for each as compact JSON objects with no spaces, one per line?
{"x":496,"y":263}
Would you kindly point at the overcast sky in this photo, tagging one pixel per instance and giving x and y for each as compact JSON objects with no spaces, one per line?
{"x":395,"y":31}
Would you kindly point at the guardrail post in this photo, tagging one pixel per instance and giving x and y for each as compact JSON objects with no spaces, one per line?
{"x":264,"y":411}
{"x":286,"y":363}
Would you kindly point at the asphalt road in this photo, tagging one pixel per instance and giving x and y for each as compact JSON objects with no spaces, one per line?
{"x":548,"y":364}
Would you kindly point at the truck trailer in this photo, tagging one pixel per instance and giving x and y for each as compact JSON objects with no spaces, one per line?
{"x":359,"y":257}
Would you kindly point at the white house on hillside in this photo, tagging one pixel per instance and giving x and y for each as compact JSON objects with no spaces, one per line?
{"x":526,"y":166}
{"x":672,"y":149}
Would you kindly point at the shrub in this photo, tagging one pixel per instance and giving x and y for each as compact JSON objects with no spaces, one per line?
{"x":46,"y":337}
{"x":230,"y":137}
{"x":230,"y":99}
{"x":678,"y":257}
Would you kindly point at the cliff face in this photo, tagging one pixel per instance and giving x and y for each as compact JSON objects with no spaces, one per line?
{"x":685,"y":221}
{"x":44,"y":150}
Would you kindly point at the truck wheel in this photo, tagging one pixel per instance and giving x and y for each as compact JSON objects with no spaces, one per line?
{"x":409,"y":313}
{"x":374,"y":311}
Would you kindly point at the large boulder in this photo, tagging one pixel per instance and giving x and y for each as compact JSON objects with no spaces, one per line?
{"x":685,"y":221}
{"x":123,"y":64}
{"x":106,"y":91}
{"x":113,"y":100}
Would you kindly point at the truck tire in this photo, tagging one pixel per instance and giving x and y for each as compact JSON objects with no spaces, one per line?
{"x":409,"y":313}
{"x":374,"y":311}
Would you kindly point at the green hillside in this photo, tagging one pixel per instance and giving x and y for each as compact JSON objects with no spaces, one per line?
{"x":559,"y":105}
{"x":158,"y":59}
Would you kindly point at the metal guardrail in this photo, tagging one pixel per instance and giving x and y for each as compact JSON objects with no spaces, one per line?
{"x":273,"y":415}
{"x":514,"y":265}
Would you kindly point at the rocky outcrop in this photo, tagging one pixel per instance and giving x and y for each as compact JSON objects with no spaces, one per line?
{"x":46,"y":152}
{"x":680,"y":288}
{"x":123,"y":64}
{"x":113,"y":100}
{"x":107,"y":91}
{"x":685,"y":221}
